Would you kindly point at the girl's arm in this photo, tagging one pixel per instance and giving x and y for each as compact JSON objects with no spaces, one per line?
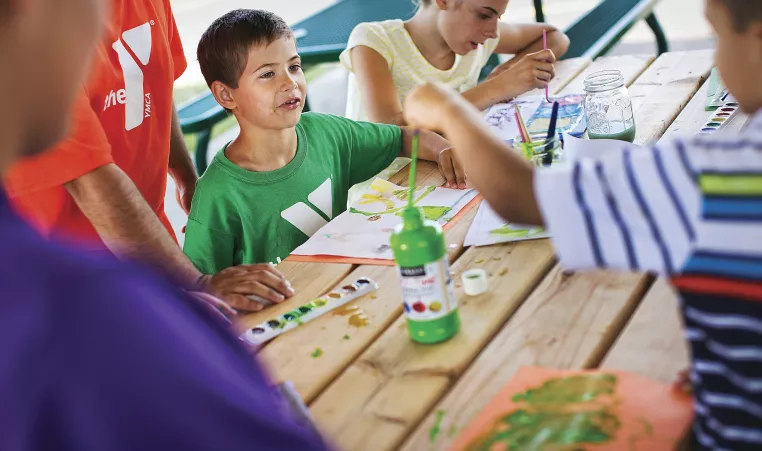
{"x":377,"y":90}
{"x":522,"y":39}
{"x":382,"y":104}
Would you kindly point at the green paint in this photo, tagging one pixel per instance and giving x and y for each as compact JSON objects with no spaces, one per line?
{"x":453,"y":430}
{"x":431,"y":213}
{"x":346,"y":337}
{"x":508,"y":230}
{"x":562,"y":414}
{"x":317,"y":353}
{"x":399,"y":194}
{"x":434,"y":431}
{"x":626,"y":135}
{"x":570,"y":390}
{"x":421,"y":255}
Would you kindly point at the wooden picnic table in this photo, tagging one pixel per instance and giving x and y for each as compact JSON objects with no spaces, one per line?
{"x":372,"y":388}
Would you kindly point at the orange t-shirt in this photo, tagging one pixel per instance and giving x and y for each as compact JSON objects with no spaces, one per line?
{"x":122,"y":115}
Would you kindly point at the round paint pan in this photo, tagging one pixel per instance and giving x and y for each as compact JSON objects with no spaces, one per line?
{"x":713,"y":124}
{"x":733,"y":104}
{"x":719,"y":119}
{"x":728,"y":110}
{"x":707,"y":130}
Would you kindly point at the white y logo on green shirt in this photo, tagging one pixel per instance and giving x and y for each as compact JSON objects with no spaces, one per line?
{"x":308,"y":217}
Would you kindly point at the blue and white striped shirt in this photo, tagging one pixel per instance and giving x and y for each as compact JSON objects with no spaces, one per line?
{"x":690,"y":209}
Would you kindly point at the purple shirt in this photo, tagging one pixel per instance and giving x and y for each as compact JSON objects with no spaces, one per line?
{"x":100,"y":355}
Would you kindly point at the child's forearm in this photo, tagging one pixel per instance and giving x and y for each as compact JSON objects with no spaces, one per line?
{"x":504,"y":178}
{"x":430,"y":144}
{"x":490,"y":92}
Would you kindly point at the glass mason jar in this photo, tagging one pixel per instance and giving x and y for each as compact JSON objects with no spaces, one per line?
{"x":608,"y":107}
{"x":539,"y":152}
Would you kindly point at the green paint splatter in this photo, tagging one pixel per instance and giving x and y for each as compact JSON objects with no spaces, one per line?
{"x":570,"y":390}
{"x":434,"y":431}
{"x":563,"y":414}
{"x":346,"y":337}
{"x":509,"y":230}
{"x":453,"y":430}
{"x":317,"y":353}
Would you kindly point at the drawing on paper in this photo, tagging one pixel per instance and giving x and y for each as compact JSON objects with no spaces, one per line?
{"x":365,"y":229}
{"x":488,"y":228}
{"x":570,"y":111}
{"x":561,"y":410}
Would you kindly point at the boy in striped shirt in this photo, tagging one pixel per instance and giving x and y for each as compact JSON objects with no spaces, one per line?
{"x":689,"y":208}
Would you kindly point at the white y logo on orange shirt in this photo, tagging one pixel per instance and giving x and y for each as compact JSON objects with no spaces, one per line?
{"x":136,"y":101}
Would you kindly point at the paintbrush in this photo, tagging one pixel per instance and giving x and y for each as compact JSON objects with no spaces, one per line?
{"x":548,"y":158}
{"x":411,"y":177}
{"x":526,"y":144}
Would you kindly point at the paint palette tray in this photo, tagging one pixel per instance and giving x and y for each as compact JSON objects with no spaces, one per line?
{"x":720,"y":118}
{"x":270,"y":329}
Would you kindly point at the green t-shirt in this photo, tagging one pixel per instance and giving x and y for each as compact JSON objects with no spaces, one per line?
{"x":242,"y":217}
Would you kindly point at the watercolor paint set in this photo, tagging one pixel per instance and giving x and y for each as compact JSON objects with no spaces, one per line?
{"x":270,"y":329}
{"x":720,"y":118}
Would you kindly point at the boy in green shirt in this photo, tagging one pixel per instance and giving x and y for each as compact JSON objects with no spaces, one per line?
{"x":287,"y":174}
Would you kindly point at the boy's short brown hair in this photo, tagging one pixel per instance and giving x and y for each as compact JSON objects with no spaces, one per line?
{"x":224,"y":47}
{"x":744,"y":12}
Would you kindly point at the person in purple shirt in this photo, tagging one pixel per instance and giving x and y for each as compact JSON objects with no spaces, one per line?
{"x":96,"y":354}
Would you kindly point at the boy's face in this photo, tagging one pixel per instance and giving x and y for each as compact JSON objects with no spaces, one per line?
{"x":739,"y":56}
{"x":272,"y":89}
{"x":52,"y":44}
{"x":465,"y":24}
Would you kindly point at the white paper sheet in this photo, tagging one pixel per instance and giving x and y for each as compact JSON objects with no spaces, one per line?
{"x":489,"y":228}
{"x":364,"y":230}
{"x":577,"y":148}
{"x":536,"y":113}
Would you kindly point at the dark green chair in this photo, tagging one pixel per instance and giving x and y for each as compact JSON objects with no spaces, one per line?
{"x":323,"y":36}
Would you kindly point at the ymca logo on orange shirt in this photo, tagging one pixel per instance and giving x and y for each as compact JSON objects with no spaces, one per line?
{"x":136,"y":101}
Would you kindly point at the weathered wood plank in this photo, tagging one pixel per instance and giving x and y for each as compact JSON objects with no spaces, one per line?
{"x":569,"y":321}
{"x":386,"y":392}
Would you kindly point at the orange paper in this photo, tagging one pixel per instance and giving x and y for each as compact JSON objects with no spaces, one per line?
{"x":377,"y":261}
{"x":562,"y":410}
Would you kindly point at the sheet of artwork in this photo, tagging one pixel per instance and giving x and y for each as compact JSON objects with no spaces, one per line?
{"x":488,"y":228}
{"x":536,"y":112}
{"x":363,"y":231}
{"x":563,"y":410}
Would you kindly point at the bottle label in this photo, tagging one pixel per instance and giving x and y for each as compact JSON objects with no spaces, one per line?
{"x":427,"y":291}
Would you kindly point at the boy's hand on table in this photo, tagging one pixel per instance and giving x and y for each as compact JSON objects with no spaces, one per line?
{"x":236,"y":285}
{"x":451,"y":169}
{"x":533,"y":71}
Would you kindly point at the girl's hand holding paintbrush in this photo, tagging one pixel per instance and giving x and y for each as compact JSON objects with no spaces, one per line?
{"x":533,"y":71}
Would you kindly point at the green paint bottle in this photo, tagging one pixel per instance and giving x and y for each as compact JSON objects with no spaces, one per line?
{"x":421,"y":256}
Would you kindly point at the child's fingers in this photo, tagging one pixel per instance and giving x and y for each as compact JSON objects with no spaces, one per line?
{"x":542,"y":75}
{"x":460,"y":174}
{"x":243,"y":303}
{"x":447,"y":170}
{"x":544,"y":55}
{"x":548,"y":68}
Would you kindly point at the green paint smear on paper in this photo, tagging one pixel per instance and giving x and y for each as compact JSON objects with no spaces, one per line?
{"x":317,"y":353}
{"x":434,"y":431}
{"x":570,"y":390}
{"x":346,"y":337}
{"x":432,"y":213}
{"x":400,"y":194}
{"x":507,"y":230}
{"x":562,"y":414}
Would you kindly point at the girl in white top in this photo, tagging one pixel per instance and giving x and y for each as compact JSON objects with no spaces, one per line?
{"x":447,"y":41}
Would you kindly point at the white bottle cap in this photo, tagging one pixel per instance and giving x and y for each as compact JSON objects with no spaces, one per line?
{"x":475,"y":282}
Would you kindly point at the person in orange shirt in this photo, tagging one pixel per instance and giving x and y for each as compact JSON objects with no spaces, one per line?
{"x":104,"y":186}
